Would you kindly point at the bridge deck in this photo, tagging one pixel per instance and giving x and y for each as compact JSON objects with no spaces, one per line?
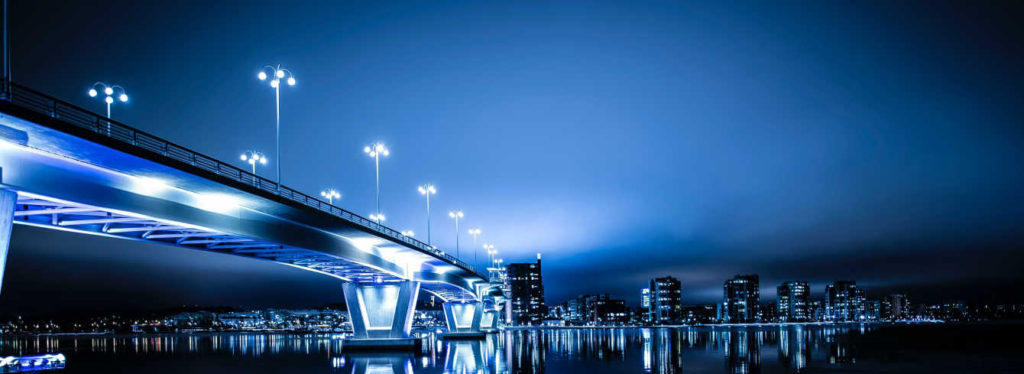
{"x":42,"y":210}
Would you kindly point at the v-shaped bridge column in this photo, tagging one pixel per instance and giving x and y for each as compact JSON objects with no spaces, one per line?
{"x":464,"y":319}
{"x":381,"y":315}
{"x":7,"y":200}
{"x":489,"y":321}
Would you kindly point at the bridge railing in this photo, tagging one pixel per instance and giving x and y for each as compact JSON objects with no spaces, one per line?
{"x":39,"y":102}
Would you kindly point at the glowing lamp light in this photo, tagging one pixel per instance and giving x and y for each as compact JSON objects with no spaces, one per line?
{"x":280,"y":73}
{"x":457,"y":214}
{"x":262,"y":76}
{"x":378,"y":217}
{"x":123,"y":98}
{"x":378,"y":149}
{"x":428,"y":189}
{"x":109,"y":100}
{"x":291,"y":81}
{"x":274,"y":83}
{"x":108,"y":90}
{"x":408,"y":233}
{"x":92,"y":92}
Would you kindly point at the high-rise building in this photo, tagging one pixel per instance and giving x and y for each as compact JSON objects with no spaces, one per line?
{"x":526,"y":290}
{"x":844,"y":301}
{"x":815,"y":311}
{"x":645,"y":304}
{"x":792,"y":301}
{"x":742,"y":299}
{"x":666,"y":301}
{"x":895,"y":307}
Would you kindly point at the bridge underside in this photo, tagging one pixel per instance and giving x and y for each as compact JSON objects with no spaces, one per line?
{"x":47,"y":212}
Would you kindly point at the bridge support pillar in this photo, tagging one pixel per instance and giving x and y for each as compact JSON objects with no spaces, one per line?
{"x":7,"y":200}
{"x":464,"y":320}
{"x":381,"y":315}
{"x":489,"y":322}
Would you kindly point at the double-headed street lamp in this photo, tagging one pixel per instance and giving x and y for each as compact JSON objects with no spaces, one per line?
{"x":474,"y":233}
{"x":277,"y":73}
{"x":330,"y":194}
{"x":408,"y":233}
{"x":253,"y":158}
{"x":377,"y":150}
{"x":456,"y":214}
{"x":427,"y":190}
{"x":490,"y":255}
{"x":378,"y":217}
{"x":109,"y":92}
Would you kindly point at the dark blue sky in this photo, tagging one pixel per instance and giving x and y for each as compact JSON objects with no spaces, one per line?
{"x":878,"y":141}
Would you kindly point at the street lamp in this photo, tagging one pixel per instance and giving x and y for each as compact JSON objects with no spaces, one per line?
{"x":408,"y":233}
{"x":109,"y":92}
{"x":474,"y":232}
{"x":490,"y":255}
{"x":456,"y":214}
{"x":277,"y":73}
{"x":253,"y":158}
{"x":490,"y":252}
{"x":427,"y":190}
{"x":330,"y":195}
{"x":377,"y":150}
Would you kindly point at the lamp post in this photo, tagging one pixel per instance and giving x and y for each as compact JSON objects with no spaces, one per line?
{"x":490,"y":256}
{"x":474,"y":233}
{"x":456,"y":214}
{"x":330,"y":194}
{"x":109,"y":92}
{"x":277,"y":73}
{"x":427,"y":190}
{"x":253,"y":158}
{"x":377,"y":150}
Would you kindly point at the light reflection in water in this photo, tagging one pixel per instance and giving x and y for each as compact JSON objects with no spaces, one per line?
{"x":657,"y":350}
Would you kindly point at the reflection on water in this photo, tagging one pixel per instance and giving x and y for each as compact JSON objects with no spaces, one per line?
{"x":774,"y":349}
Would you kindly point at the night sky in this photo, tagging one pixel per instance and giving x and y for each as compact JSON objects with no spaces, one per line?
{"x":878,"y":141}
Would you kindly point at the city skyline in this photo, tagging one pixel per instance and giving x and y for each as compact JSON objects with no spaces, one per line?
{"x":682,"y":156}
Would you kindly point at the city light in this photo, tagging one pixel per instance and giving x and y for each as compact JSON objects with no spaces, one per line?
{"x":408,"y":233}
{"x":108,"y":91}
{"x":330,"y":195}
{"x":254,"y":158}
{"x":378,"y":217}
{"x":278,"y":72}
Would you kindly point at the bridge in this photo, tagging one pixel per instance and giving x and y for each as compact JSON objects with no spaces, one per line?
{"x":65,"y":168}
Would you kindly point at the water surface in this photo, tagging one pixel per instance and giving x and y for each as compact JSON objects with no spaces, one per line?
{"x":766,"y":349}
